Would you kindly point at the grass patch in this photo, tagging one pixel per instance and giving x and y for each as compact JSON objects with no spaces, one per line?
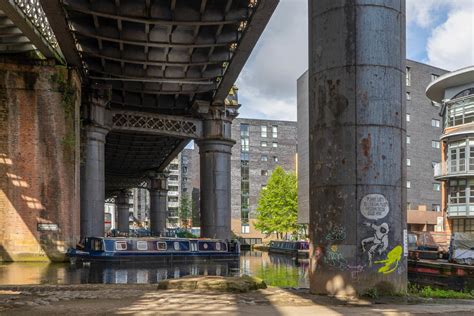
{"x":430,"y":292}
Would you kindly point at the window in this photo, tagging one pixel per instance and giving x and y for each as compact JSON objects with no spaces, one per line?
{"x":142,"y":245}
{"x":436,"y":186}
{"x":461,"y":225}
{"x":264,"y":158}
{"x":245,"y":143}
{"x":435,"y":144}
{"x":408,"y":76}
{"x":172,"y":199}
{"x":244,"y":156}
{"x":173,"y":177}
{"x":275,"y":158}
{"x":274,"y":144}
{"x":263,"y":131}
{"x":172,"y":188}
{"x":245,"y":229}
{"x":263,"y":144}
{"x":408,"y":117}
{"x":174,"y":166}
{"x":264,"y":172}
{"x":434,"y":123}
{"x":161,"y":245}
{"x":274,"y":131}
{"x":408,"y":184}
{"x":408,"y":96}
{"x":434,"y":77}
{"x":408,"y":139}
{"x":120,"y":245}
{"x":457,"y":192}
{"x":464,"y":93}
{"x":436,"y":207}
{"x":244,"y":130}
{"x":459,"y":112}
{"x":408,"y":162}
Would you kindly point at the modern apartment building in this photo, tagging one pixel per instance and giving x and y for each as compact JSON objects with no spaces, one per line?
{"x":261,"y":145}
{"x":454,"y":91}
{"x":424,"y":212}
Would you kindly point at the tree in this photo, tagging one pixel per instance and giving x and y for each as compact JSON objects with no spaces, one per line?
{"x":277,"y":208}
{"x":185,"y":210}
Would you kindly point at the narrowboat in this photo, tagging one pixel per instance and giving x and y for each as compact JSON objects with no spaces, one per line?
{"x":298,"y":249}
{"x":159,"y":249}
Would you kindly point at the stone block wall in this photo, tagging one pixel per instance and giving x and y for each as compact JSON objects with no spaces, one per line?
{"x":39,"y":161}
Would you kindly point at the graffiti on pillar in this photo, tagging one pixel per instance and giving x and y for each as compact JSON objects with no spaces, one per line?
{"x":378,"y":242}
{"x":355,"y":270}
{"x":374,"y":206}
{"x":337,"y":233}
{"x":391,"y":262}
{"x":334,"y":258}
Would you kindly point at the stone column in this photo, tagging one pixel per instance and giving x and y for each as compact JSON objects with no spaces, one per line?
{"x":158,"y":203}
{"x":215,"y":149}
{"x":357,"y":146}
{"x":92,"y":169}
{"x":123,"y":211}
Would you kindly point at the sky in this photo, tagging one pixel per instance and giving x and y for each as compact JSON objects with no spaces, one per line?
{"x":439,"y":33}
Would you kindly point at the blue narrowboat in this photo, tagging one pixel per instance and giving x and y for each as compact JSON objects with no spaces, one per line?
{"x":124,"y":249}
{"x":299,"y":249}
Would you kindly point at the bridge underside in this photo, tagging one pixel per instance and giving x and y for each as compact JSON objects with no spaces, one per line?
{"x":160,"y":57}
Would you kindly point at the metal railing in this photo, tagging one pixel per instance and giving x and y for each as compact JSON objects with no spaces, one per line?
{"x":454,"y":167}
{"x":460,"y":210}
{"x":34,"y":12}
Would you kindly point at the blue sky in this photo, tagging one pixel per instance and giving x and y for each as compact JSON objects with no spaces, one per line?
{"x":439,"y":33}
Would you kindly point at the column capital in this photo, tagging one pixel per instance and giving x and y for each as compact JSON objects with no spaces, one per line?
{"x":96,"y":112}
{"x":123,"y":198}
{"x":158,"y":181}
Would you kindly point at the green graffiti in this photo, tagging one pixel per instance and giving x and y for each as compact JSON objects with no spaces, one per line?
{"x":391,"y":263}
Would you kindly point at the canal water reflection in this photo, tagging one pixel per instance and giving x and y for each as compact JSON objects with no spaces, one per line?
{"x":276,"y":270}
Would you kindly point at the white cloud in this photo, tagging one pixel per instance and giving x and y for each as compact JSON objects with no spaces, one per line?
{"x":451,"y":42}
{"x":451,"y":45}
{"x":268,"y":82}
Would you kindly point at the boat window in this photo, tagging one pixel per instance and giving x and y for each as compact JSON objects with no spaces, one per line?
{"x":176,"y":245}
{"x":223,"y":246}
{"x":218,"y":246}
{"x":142,"y":245}
{"x":205,"y":245}
{"x":120,"y":245}
{"x":96,"y":244}
{"x":161,"y":245}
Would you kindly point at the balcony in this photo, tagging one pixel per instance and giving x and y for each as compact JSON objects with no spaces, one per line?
{"x":460,"y":210}
{"x":454,"y":168}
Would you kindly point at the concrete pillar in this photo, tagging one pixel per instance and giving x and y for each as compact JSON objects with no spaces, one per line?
{"x":158,"y":203}
{"x":123,"y":211}
{"x":215,"y":150}
{"x":357,"y":146}
{"x":93,"y":169}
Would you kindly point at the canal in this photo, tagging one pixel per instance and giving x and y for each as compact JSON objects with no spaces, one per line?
{"x":276,"y":270}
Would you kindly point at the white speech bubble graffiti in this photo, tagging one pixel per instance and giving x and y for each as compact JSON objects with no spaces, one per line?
{"x":374,"y":206}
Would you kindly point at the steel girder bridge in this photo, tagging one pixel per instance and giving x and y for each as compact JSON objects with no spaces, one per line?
{"x":157,"y":74}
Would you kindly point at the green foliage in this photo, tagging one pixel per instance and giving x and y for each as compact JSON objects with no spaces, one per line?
{"x":68,"y":101}
{"x":430,"y":292}
{"x":185,"y":210}
{"x":185,"y":234}
{"x":277,"y":208}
